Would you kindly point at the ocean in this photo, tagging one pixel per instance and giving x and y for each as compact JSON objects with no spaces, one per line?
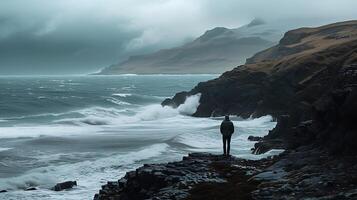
{"x":93,"y":129}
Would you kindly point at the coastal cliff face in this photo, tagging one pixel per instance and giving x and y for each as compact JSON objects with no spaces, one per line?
{"x":309,"y":83}
{"x":310,"y":77}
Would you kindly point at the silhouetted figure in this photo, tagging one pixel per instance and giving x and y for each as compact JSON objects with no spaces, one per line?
{"x":227,"y":129}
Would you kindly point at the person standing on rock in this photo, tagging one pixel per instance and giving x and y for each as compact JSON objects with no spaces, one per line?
{"x":227,"y":129}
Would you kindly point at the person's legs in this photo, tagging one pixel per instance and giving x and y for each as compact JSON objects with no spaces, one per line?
{"x":224,"y":144}
{"x":229,"y":144}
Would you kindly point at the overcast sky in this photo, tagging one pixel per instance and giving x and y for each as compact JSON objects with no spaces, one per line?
{"x":82,"y":36}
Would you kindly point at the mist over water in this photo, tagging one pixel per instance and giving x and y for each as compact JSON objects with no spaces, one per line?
{"x":94,"y":128}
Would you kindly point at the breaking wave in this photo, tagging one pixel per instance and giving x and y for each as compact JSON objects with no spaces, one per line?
{"x":100,"y":116}
{"x":94,"y":129}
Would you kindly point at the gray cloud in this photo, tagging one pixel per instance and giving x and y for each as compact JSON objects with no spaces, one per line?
{"x":81,"y":36}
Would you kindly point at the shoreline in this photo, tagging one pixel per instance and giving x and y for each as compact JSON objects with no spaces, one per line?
{"x":307,"y":172}
{"x":308,"y":82}
{"x":190,"y":178}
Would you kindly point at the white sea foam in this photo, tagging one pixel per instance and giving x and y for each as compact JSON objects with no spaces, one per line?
{"x":4,"y":149}
{"x":155,"y":112}
{"x":34,"y":116}
{"x":272,"y":152}
{"x":100,"y":116}
{"x":205,"y":136}
{"x":122,"y":94}
{"x":128,"y":75}
{"x":190,"y":105}
{"x":169,"y":131}
{"x":117,"y":101}
{"x":90,"y":174}
{"x":131,"y":87}
{"x":48,"y":130}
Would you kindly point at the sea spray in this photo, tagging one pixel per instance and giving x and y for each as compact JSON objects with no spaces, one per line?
{"x":75,"y":133}
{"x":190,"y":106}
{"x":155,"y":112}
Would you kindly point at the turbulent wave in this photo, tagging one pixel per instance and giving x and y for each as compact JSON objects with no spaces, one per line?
{"x":88,"y":172}
{"x":117,"y":101}
{"x":138,"y":97}
{"x":122,"y":94}
{"x":210,"y":139}
{"x":4,"y":149}
{"x":190,"y":105}
{"x":94,"y":129}
{"x":100,"y":116}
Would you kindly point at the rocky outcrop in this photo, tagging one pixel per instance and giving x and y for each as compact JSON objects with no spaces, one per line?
{"x":306,"y":173}
{"x":309,"y":76}
{"x":64,"y":185}
{"x":308,"y":82}
{"x":254,"y":138}
{"x":197,"y":176}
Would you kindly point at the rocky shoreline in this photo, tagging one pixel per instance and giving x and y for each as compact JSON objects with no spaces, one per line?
{"x":197,"y":176}
{"x":308,"y":82}
{"x":305,"y":173}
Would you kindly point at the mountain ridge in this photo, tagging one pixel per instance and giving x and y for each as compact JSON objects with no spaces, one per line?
{"x":215,"y":51}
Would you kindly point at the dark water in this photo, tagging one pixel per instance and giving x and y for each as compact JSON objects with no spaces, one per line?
{"x":95,"y":128}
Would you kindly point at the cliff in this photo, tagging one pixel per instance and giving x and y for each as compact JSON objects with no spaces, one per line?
{"x":308,"y":80}
{"x":216,"y":51}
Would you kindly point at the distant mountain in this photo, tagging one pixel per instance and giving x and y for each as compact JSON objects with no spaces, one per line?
{"x":216,"y":51}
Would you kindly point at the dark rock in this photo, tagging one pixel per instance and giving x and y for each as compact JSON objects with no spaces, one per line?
{"x":177,"y":100}
{"x":295,"y":86}
{"x":267,"y":145}
{"x":64,"y":185}
{"x":175,"y":180}
{"x":254,"y":138}
{"x":2,"y":191}
{"x":31,"y":188}
{"x":282,"y":126}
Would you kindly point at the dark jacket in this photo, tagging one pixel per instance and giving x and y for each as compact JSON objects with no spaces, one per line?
{"x":227,"y":128}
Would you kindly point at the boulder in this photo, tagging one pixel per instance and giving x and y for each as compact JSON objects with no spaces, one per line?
{"x":267,"y":145}
{"x":64,"y":185}
{"x":177,"y":100}
{"x":254,"y":138}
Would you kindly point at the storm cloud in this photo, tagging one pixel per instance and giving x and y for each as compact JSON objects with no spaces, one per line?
{"x":82,"y":36}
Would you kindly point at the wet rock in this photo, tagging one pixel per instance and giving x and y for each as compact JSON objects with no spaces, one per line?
{"x":30,"y":189}
{"x":319,"y":178}
{"x":277,"y":174}
{"x":177,"y":100}
{"x":295,"y":86}
{"x":254,"y":138}
{"x":64,"y":185}
{"x":174,"y":180}
{"x":267,"y":144}
{"x":351,"y":194}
